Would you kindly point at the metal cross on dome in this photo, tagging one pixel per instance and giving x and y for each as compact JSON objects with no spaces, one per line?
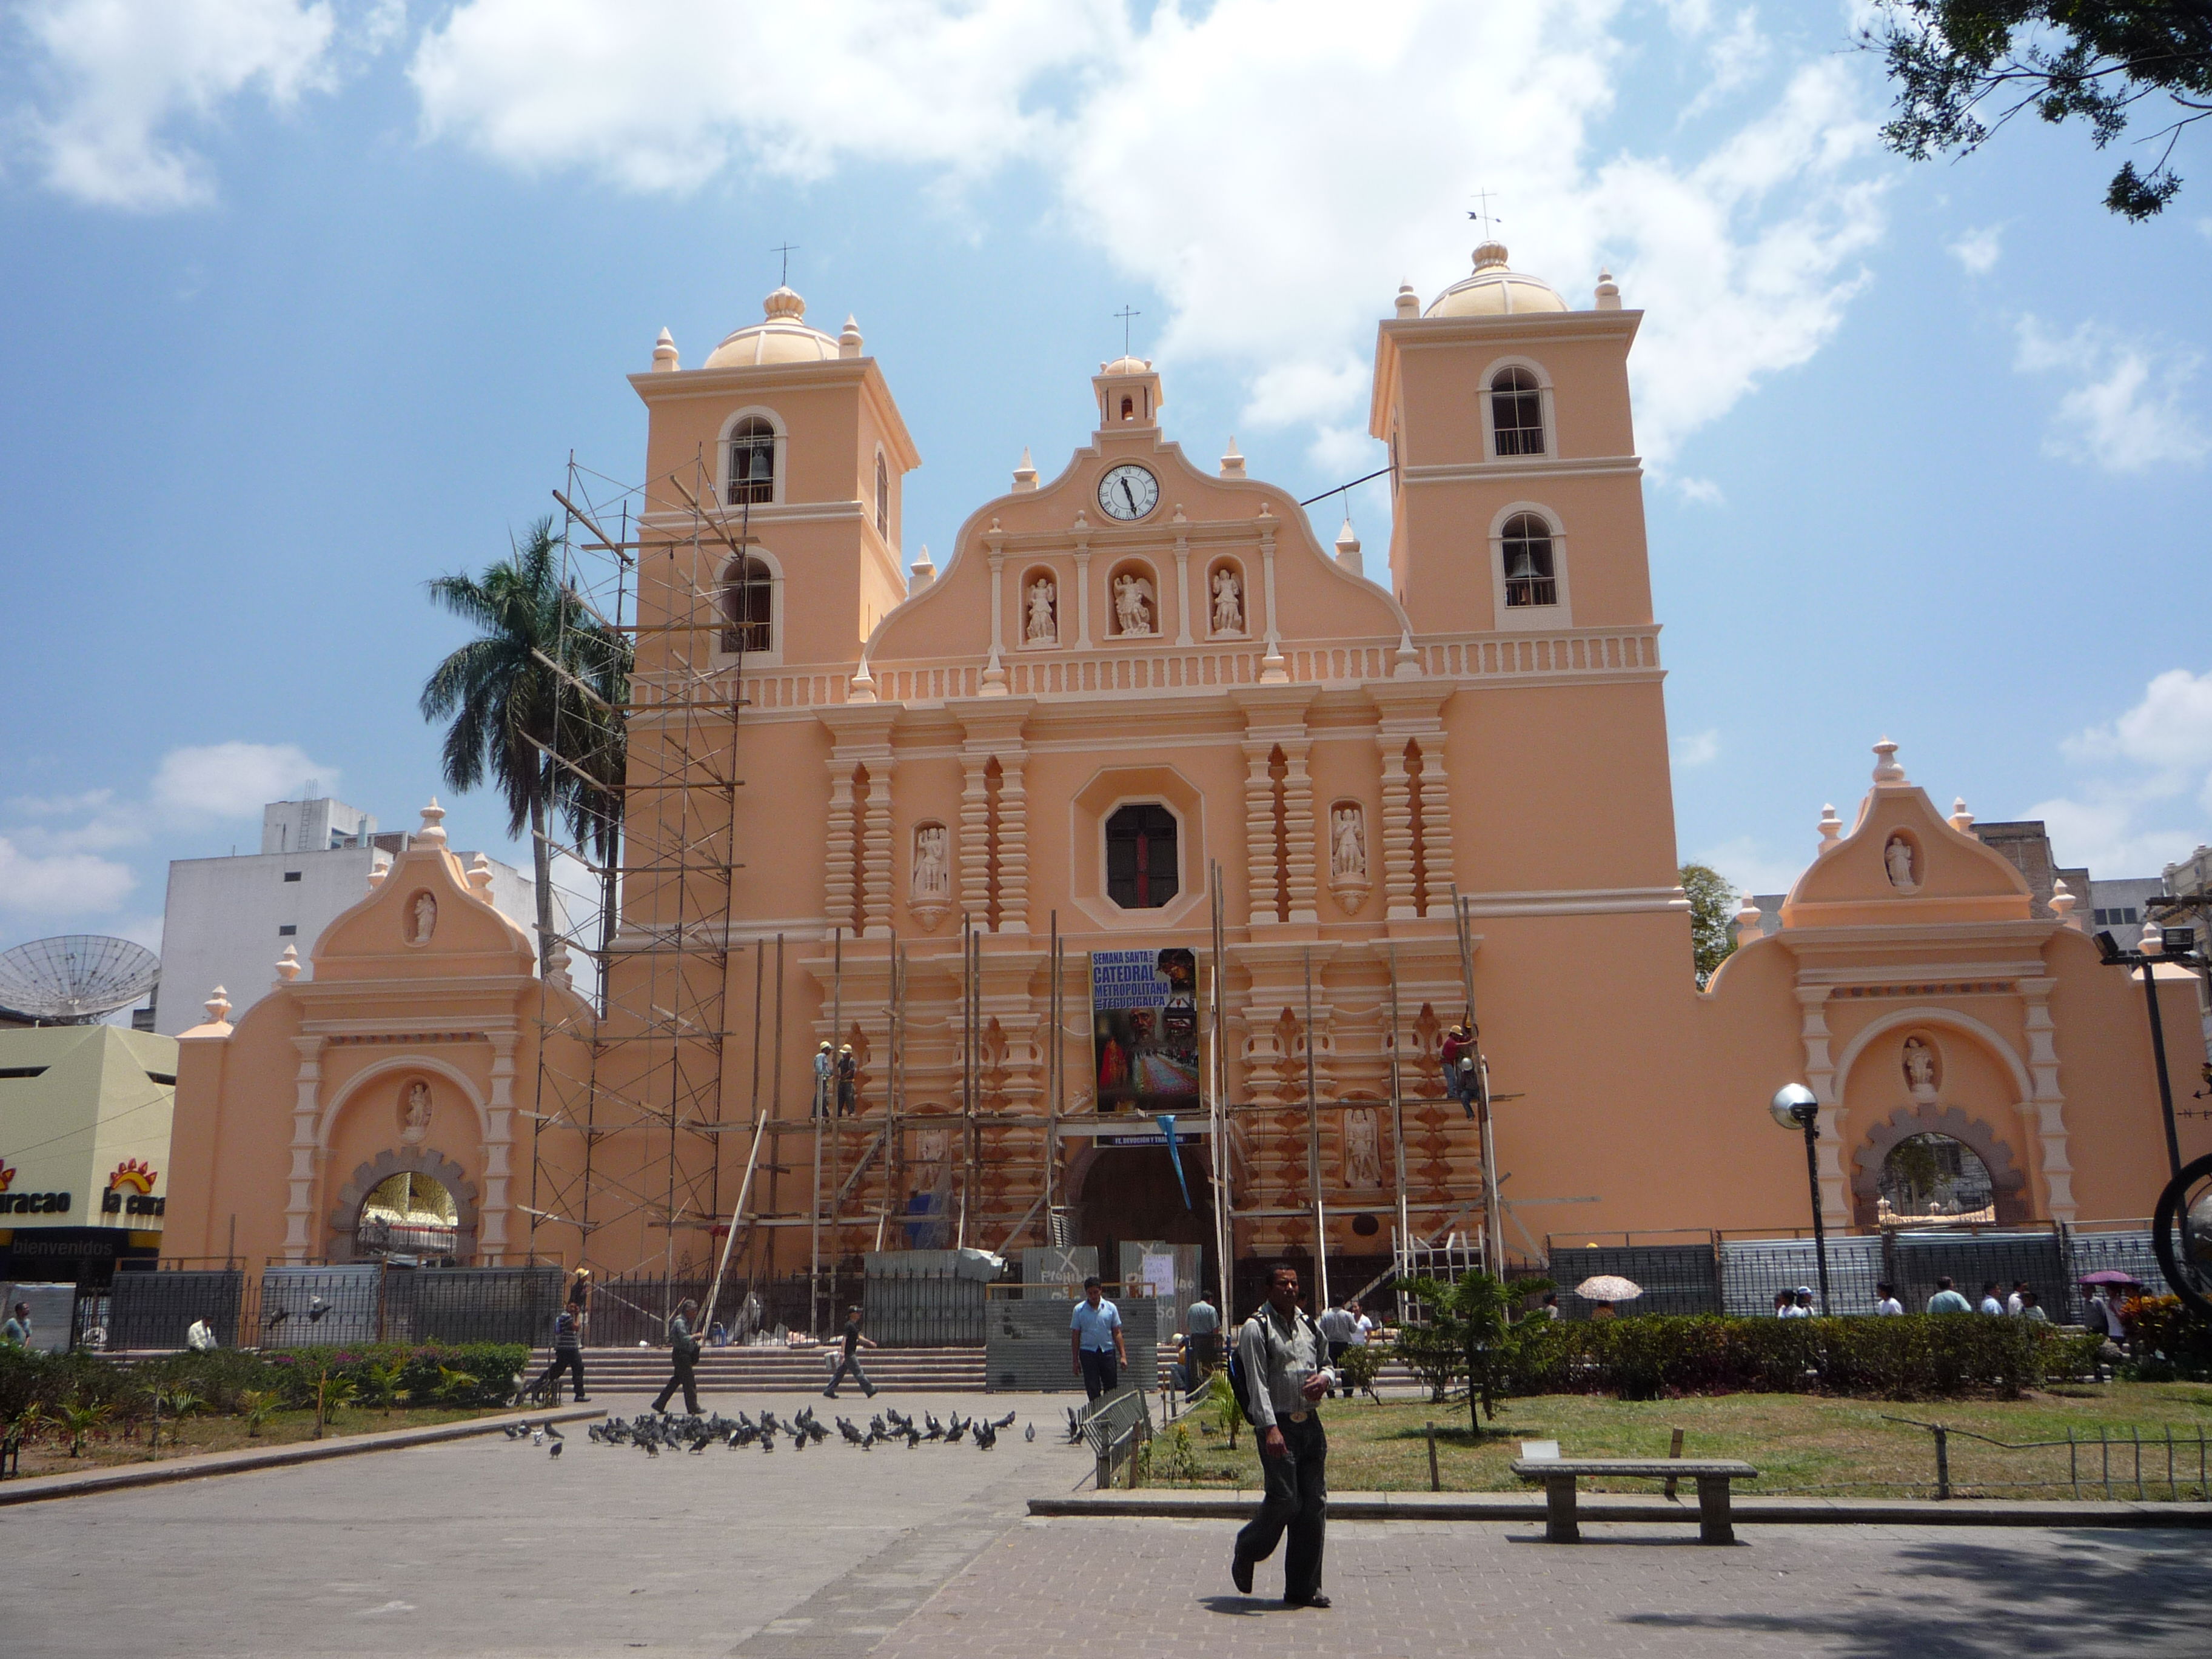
{"x":1125,"y":313}
{"x":785,"y":249}
{"x":1483,"y":213}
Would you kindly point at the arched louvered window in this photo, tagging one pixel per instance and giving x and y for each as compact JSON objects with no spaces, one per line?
{"x":748,"y":606}
{"x":1531,"y":577}
{"x":1516,"y":412}
{"x":883,"y":499}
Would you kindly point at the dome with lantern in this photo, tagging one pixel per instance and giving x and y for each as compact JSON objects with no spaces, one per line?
{"x":1495,"y":289}
{"x":781,"y":337}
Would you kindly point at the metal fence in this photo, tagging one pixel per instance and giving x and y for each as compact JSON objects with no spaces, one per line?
{"x":1753,"y":1270}
{"x":1676,"y":1278}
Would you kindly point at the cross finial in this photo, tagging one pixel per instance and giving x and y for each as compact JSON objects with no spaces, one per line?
{"x":1125,"y":314}
{"x":786,"y":249}
{"x":1483,"y":213}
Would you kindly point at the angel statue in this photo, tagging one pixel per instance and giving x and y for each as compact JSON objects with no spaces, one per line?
{"x":1043,"y":627}
{"x":1228,"y":602}
{"x":1133,"y":603}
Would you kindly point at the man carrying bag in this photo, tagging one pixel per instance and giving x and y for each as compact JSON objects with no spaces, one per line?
{"x":1281,"y":1372}
{"x":683,"y":1353}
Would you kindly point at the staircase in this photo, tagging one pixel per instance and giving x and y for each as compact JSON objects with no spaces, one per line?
{"x":777,"y":1369}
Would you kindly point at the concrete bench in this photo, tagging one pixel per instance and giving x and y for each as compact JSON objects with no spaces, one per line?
{"x":1560,"y":1475}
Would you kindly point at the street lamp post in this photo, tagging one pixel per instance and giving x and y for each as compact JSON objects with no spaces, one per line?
{"x":1795,"y":1108}
{"x":2172,"y":945}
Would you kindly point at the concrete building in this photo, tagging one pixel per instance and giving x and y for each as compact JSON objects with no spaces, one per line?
{"x":227,"y":920}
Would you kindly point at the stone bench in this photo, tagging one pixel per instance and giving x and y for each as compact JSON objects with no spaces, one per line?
{"x":1560,"y":1475}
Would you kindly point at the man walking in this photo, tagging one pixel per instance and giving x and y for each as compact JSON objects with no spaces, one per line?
{"x":1094,"y":1340}
{"x":1337,"y":1326}
{"x":851,"y":1361}
{"x":1947,"y":1298}
{"x":567,"y":1355}
{"x":1990,"y":1304}
{"x":683,"y":1353}
{"x":16,"y":1333}
{"x":1280,"y":1352}
{"x":1202,"y":1324}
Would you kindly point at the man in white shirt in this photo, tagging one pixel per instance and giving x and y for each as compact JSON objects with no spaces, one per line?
{"x":1886,"y":1301}
{"x":1989,"y":1303}
{"x":1337,"y":1326}
{"x":2016,"y":1304}
{"x":1799,"y":1306}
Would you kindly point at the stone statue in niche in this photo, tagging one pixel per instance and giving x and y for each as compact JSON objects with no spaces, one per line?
{"x":422,"y":919}
{"x":1042,"y":610}
{"x":415,"y":1117}
{"x":1228,"y":602}
{"x":933,"y":869}
{"x":1897,"y":855}
{"x":1920,"y":1068}
{"x":1362,"y":1148}
{"x":1133,"y":604}
{"x":1347,"y":843}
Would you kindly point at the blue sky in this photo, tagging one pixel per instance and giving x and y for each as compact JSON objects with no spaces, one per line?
{"x":303,"y":304}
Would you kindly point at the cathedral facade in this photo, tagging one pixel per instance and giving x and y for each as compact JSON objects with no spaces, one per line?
{"x":1143,"y":710}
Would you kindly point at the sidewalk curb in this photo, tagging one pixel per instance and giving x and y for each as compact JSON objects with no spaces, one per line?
{"x":200,"y":1465}
{"x":1607,"y":1506}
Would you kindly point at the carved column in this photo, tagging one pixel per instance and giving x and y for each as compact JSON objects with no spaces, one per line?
{"x":1013,"y":845}
{"x":1259,"y":835}
{"x":1821,"y":1078}
{"x":975,"y":837}
{"x":1082,"y":590}
{"x":1298,"y":831}
{"x":498,"y":1138}
{"x":1436,"y":824}
{"x":299,"y":1203}
{"x":876,"y":852}
{"x":1273,"y":669}
{"x":838,"y":856}
{"x":2044,"y":1113}
{"x":1397,"y":830}
{"x":1182,"y":581}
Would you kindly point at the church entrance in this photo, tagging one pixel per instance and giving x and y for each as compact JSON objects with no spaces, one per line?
{"x":1129,"y":1194}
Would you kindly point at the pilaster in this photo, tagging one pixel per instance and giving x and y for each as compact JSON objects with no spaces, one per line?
{"x":499,"y":1140}
{"x":299,"y":1203}
{"x":1298,"y":831}
{"x":839,"y":861}
{"x":876,"y":851}
{"x":2044,"y":1113}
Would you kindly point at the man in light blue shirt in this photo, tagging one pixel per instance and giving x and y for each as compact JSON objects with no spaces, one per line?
{"x":1947,"y":1300}
{"x":1094,"y":1340}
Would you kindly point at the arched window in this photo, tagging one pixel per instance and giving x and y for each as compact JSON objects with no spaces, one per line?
{"x":1129,"y":409}
{"x":1140,"y":857}
{"x":752,"y":462}
{"x":1932,"y":1174}
{"x":1516,"y":413}
{"x":1529,"y":575}
{"x":882,"y":498}
{"x":748,"y":606}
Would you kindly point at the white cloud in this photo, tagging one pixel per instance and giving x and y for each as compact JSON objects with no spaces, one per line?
{"x":1732,"y":60}
{"x":2150,"y":801}
{"x":2123,"y":410}
{"x":1703,"y":491}
{"x":1749,"y":867}
{"x":60,"y":885}
{"x":234,"y":779}
{"x":1978,"y":251}
{"x":126,"y":79}
{"x":1269,"y":167}
{"x":1698,"y":748}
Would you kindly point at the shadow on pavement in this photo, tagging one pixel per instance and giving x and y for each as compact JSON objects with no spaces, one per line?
{"x":1984,"y":1600}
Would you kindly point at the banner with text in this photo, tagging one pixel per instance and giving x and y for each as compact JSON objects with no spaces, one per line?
{"x":1144,"y":1026}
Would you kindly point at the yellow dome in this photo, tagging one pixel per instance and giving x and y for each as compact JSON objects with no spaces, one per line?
{"x":1126,"y":365}
{"x":779,"y":337}
{"x":1495,"y":291}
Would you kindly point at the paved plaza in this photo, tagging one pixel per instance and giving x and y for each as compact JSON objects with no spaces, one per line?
{"x":489,"y":1548}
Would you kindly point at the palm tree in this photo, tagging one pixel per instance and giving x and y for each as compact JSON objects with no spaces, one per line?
{"x":536,"y":703}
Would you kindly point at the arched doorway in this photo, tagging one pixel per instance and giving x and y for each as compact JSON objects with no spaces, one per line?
{"x":1934,"y":1177}
{"x":1130,"y":1194}
{"x":409,"y":1213}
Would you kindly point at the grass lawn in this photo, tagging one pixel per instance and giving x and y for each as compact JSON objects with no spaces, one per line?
{"x":1799,"y":1443}
{"x":48,"y":1452}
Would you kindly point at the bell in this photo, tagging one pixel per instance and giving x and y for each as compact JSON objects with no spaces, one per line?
{"x":1524,"y":569}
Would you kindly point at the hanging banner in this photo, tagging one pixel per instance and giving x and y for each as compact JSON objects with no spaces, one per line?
{"x":1144,"y":1030}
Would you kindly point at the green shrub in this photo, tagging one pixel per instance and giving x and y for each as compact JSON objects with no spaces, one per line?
{"x":2171,"y":1343}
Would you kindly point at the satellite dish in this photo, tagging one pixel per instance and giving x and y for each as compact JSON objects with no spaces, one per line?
{"x":75,"y":978}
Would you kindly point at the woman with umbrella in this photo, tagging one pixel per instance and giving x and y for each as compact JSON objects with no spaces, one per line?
{"x":2108,"y":1288}
{"x":1605,"y":1290}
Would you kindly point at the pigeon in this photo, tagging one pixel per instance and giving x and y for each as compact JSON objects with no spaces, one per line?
{"x":913,"y":1437}
{"x":701,"y":1444}
{"x":768,"y":1443}
{"x":876,"y":1427}
{"x":936,"y":1428}
{"x":553,"y":1432}
{"x":1030,"y":1433}
{"x":869,"y":1443}
{"x":651,"y":1449}
{"x":515,"y":1431}
{"x":1005,"y":1422}
{"x":845,"y":1427}
{"x":554,"y":1449}
{"x":987,"y":1436}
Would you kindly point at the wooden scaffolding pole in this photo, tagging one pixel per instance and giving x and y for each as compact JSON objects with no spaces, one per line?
{"x":1398,"y":1115}
{"x":1493,"y":1225}
{"x":1313,"y":1145}
{"x":1224,"y":1229}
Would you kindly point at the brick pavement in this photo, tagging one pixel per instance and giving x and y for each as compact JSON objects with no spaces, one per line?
{"x":1417,"y":1590}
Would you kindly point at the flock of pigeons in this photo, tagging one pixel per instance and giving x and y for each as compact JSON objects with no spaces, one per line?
{"x":654,"y":1432}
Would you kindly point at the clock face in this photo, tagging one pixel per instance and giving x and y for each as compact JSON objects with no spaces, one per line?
{"x":1128,"y":492}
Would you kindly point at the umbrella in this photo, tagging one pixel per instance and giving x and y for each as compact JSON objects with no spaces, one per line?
{"x":1609,"y":1287}
{"x":2109,"y":1276}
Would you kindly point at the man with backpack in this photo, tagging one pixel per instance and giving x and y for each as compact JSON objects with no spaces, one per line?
{"x":1280,"y":1370}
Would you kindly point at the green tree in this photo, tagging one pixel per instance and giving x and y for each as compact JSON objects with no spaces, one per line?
{"x":1471,"y":1319}
{"x":1962,"y":68}
{"x":1713,"y":907}
{"x":537,"y":702}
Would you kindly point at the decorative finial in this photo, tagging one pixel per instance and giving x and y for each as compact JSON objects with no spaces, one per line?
{"x":1608,"y":291}
{"x":376,"y":875}
{"x":849,"y":338}
{"x":1962,"y":819}
{"x":557,"y":966}
{"x":2063,"y":902}
{"x":217,"y":1006}
{"x":1232,"y":462}
{"x":1830,"y":827}
{"x":1490,"y":256}
{"x":921,"y":573}
{"x":1025,"y":475}
{"x":2153,"y":942}
{"x":480,"y":877}
{"x":1886,"y":768}
{"x":1348,"y":549}
{"x":1409,"y":303}
{"x":782,"y":302}
{"x":1750,"y":922}
{"x":433,"y":832}
{"x":288,"y":965}
{"x":862,"y":688}
{"x":664,"y":361}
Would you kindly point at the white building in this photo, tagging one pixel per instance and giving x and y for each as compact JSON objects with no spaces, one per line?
{"x":228,"y":920}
